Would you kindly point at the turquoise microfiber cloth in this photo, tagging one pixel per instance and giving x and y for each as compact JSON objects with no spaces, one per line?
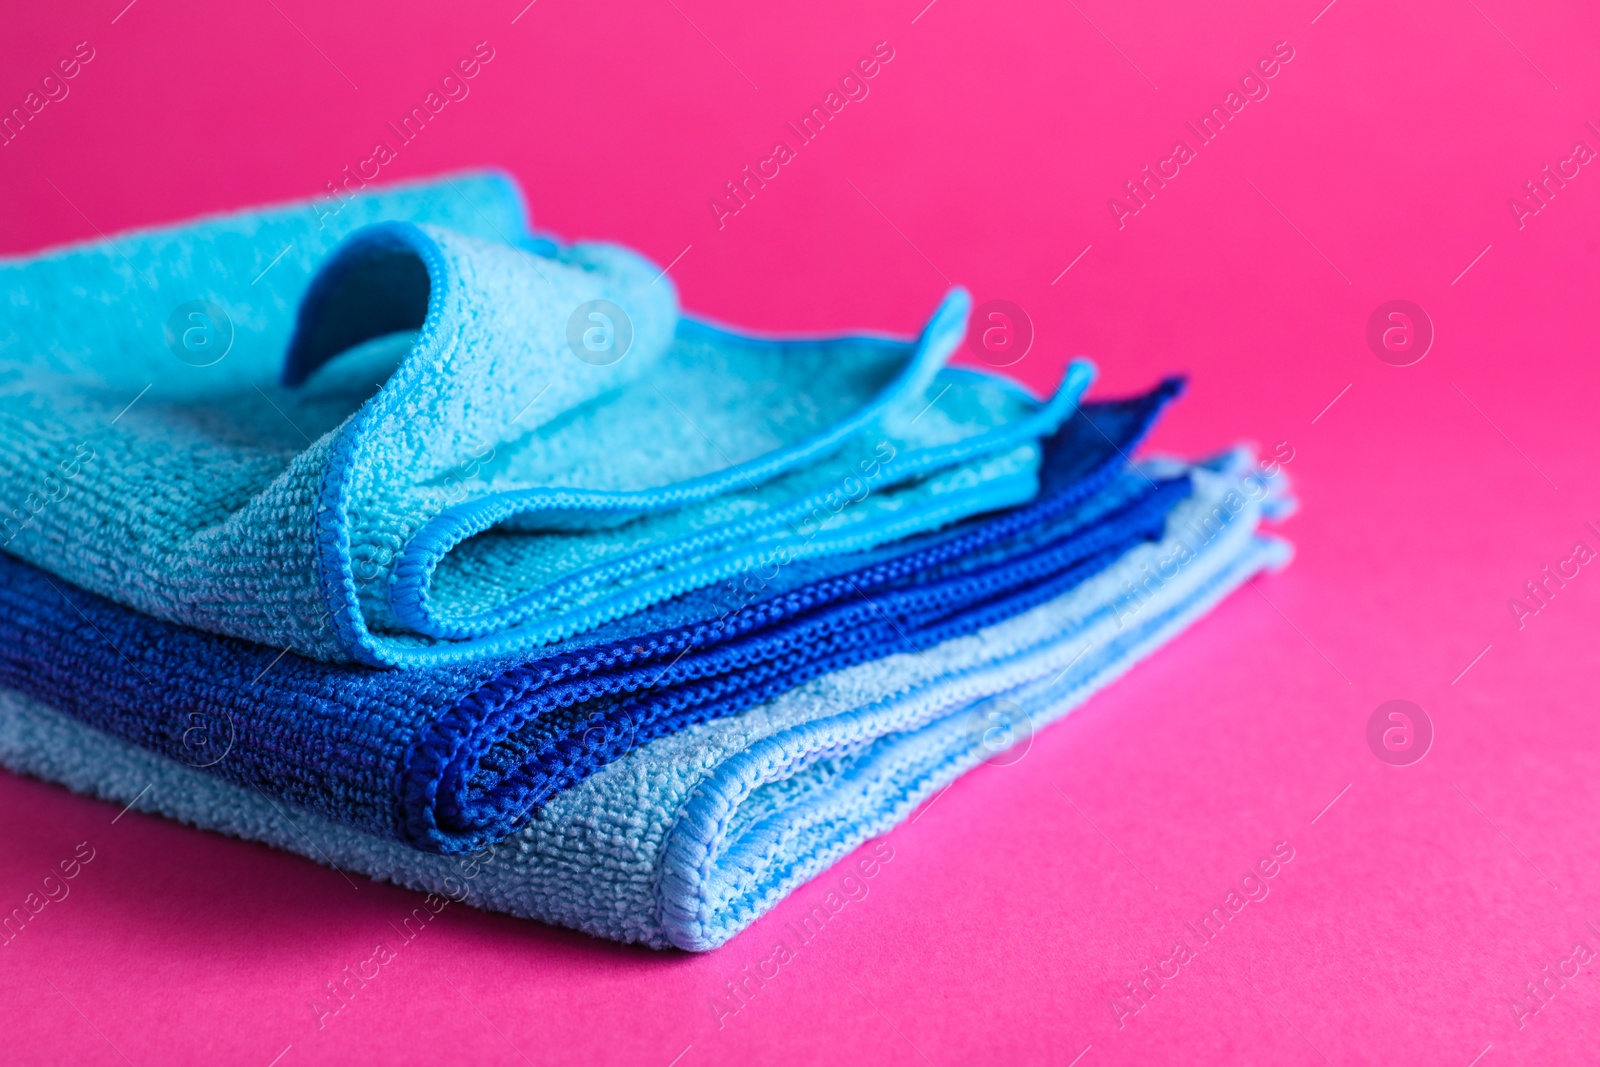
{"x":417,"y":434}
{"x":689,"y":839}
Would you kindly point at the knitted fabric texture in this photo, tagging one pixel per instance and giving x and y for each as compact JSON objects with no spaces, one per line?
{"x":448,"y":759}
{"x":467,"y":441}
{"x":687,"y":840}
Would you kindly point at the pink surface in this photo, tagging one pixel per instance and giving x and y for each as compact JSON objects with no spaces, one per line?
{"x":1378,"y":167}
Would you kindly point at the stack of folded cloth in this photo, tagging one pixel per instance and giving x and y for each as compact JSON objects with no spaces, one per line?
{"x":436,"y":550}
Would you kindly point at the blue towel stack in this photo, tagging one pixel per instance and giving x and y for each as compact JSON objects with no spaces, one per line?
{"x":442,"y":551}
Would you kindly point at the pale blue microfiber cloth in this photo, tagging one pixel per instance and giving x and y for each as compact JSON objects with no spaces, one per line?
{"x":689,"y":839}
{"x":414,"y":433}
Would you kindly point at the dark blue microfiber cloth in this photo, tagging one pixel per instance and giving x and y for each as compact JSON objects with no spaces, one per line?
{"x":448,"y":759}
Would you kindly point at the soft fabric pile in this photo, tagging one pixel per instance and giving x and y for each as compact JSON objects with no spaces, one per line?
{"x":444,"y":552}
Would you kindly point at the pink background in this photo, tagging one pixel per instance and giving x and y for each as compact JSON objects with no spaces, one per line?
{"x":1382,"y":161}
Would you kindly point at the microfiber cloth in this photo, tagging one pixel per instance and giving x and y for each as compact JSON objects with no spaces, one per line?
{"x":448,"y":759}
{"x":687,"y":840}
{"x":416,"y":433}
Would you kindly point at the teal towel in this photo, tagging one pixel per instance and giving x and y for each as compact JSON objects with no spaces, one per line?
{"x":421,"y":435}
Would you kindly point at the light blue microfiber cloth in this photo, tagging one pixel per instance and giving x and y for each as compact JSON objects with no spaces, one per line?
{"x":417,"y":434}
{"x":689,"y":839}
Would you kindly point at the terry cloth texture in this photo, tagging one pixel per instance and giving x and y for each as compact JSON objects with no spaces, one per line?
{"x":689,"y":839}
{"x":449,"y":759}
{"x":468,"y":441}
